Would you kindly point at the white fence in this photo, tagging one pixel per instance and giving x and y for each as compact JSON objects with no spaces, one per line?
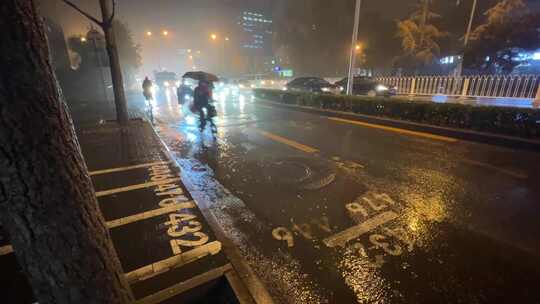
{"x":511,"y":86}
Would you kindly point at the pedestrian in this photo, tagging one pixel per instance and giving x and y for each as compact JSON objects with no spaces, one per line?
{"x":183,"y":91}
{"x":202,"y":98}
{"x":147,"y":88}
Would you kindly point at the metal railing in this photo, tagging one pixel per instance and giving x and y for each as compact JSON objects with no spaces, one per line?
{"x":511,"y":86}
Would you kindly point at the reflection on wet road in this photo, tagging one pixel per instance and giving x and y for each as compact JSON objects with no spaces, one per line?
{"x":332,"y":212}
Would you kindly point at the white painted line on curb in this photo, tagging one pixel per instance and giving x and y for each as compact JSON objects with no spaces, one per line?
{"x":149,"y":214}
{"x":120,"y":169}
{"x":176,"y":261}
{"x":136,"y":187}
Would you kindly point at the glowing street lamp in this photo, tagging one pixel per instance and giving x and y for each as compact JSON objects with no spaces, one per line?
{"x":149,"y":33}
{"x":226,"y":38}
{"x":213,"y":36}
{"x":83,"y":39}
{"x":165,"y":33}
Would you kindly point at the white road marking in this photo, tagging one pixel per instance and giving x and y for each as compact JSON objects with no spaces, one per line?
{"x":120,"y":169}
{"x":149,"y":214}
{"x":176,"y":261}
{"x":340,"y":239}
{"x":5,"y":250}
{"x":136,"y":187}
{"x":184,"y":286}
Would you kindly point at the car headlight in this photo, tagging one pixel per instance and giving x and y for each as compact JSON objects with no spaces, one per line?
{"x":325,"y":89}
{"x":381,"y":88}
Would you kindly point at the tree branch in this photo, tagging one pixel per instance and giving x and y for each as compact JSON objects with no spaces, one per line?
{"x":87,"y":15}
{"x":111,"y":18}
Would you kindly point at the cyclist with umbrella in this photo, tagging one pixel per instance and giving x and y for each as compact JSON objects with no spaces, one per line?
{"x":202,"y":98}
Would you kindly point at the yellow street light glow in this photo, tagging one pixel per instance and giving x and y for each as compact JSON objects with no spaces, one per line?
{"x":213,"y":36}
{"x":83,"y":39}
{"x":165,"y":33}
{"x":148,"y":33}
{"x":189,"y":50}
{"x":226,"y":38}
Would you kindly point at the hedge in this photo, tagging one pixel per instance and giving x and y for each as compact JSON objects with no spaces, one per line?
{"x":500,"y":120}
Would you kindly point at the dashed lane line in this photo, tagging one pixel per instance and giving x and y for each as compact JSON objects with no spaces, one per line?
{"x":149,"y":214}
{"x":288,"y":142}
{"x":340,"y":239}
{"x":136,"y":187}
{"x":5,"y":250}
{"x":395,"y":130}
{"x":176,"y":261}
{"x":127,"y":168}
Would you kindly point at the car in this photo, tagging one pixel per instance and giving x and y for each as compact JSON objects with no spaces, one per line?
{"x":165,"y":80}
{"x":312,"y":84}
{"x":368,"y":86}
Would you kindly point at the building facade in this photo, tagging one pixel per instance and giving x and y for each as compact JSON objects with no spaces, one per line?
{"x":256,"y":41}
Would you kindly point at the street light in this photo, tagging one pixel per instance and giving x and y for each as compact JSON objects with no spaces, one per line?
{"x":83,"y":39}
{"x":165,"y":33}
{"x":148,"y":33}
{"x":226,"y":38}
{"x":213,"y":36}
{"x":353,"y":49}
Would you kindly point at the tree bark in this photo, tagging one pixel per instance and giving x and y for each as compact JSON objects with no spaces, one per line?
{"x":47,"y":201}
{"x":114,"y":59}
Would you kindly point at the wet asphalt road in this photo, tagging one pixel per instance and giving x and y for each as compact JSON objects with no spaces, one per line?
{"x":332,"y":212}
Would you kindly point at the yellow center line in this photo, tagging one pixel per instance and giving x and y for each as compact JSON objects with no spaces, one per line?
{"x":120,"y":169}
{"x":5,"y":250}
{"x":288,"y":142}
{"x":136,"y":187}
{"x":396,"y":130}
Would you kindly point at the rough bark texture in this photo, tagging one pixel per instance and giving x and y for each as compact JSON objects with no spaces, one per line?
{"x":116,"y":70}
{"x":47,"y":202}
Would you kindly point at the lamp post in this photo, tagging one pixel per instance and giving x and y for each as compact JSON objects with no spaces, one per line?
{"x":459,"y":70}
{"x":164,"y":34}
{"x":353,"y":48}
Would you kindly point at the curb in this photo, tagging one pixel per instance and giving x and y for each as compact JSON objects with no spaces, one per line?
{"x":252,"y":289}
{"x":475,"y":136}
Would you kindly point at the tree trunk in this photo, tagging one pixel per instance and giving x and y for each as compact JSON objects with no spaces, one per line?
{"x":47,"y":201}
{"x":114,"y":59}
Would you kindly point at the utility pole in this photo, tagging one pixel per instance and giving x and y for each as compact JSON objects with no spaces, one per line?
{"x":467,"y":37}
{"x":352,"y":60}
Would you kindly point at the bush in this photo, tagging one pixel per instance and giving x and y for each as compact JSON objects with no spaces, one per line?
{"x":500,"y":120}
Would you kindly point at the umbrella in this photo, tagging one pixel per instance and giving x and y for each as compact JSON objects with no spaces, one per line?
{"x":201,"y":76}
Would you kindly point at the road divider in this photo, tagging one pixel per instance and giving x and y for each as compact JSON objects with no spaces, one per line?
{"x":395,"y":130}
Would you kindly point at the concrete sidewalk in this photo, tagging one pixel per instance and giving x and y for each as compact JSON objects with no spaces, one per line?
{"x":167,"y":249}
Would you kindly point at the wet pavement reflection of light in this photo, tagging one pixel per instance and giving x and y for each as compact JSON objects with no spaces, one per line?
{"x":428,"y":254}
